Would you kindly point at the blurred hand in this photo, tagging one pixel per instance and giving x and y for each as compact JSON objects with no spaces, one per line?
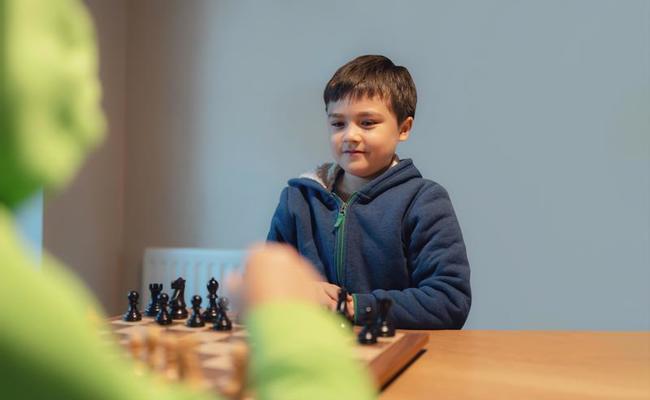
{"x":327,"y":294}
{"x":277,"y":272}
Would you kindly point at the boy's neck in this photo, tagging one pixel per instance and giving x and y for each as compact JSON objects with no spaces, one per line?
{"x":349,"y":183}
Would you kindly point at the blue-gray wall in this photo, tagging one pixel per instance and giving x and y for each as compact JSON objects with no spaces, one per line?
{"x":29,"y":217}
{"x":534,"y":114}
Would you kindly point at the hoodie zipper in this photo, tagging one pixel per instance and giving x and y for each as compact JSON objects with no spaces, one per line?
{"x":339,"y":226}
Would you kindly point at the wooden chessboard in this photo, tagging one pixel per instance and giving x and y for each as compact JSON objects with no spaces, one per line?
{"x":385,"y":359}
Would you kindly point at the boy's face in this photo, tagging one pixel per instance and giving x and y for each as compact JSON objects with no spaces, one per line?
{"x":364,"y":135}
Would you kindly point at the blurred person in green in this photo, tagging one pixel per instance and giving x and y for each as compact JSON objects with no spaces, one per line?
{"x":50,"y":346}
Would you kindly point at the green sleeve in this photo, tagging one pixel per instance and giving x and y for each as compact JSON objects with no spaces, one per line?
{"x":52,"y":346}
{"x":51,"y":341}
{"x":300,"y":352}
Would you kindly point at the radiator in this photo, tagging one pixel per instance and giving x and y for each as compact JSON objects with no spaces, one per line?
{"x":196,"y":266}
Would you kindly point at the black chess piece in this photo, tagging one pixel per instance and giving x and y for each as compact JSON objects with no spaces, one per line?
{"x":368,"y":334}
{"x":342,"y":309}
{"x":132,"y":314}
{"x":385,"y":328}
{"x":222,"y":322}
{"x":179,"y":309}
{"x":196,"y":319}
{"x":210,"y":313}
{"x":153,"y":307}
{"x":163,"y":317}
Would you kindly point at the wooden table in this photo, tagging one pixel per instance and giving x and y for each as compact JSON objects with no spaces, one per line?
{"x":528,"y":365}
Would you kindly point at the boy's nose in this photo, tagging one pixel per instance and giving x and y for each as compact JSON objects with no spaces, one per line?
{"x":352,"y":134}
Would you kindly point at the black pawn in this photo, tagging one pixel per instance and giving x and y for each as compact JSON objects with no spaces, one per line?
{"x":385,"y":328}
{"x":179,"y":309}
{"x":342,"y":309}
{"x":210,"y":313}
{"x":222,"y":323}
{"x":163,"y":317}
{"x":132,"y":314}
{"x":368,"y":334}
{"x":153,"y":307}
{"x":196,"y":320}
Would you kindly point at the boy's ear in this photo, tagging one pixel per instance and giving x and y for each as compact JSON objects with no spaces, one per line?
{"x":405,"y":129}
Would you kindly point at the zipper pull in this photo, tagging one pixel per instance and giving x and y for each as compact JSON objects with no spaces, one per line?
{"x":341,"y":216}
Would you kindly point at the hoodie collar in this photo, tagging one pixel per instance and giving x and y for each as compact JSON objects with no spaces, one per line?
{"x":324,"y":177}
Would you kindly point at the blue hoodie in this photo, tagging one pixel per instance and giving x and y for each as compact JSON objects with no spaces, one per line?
{"x":397,"y":237}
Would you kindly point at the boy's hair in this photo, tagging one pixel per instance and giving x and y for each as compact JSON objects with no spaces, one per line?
{"x":370,"y":76}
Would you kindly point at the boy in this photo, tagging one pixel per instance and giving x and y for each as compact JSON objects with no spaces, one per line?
{"x":369,"y":221}
{"x":50,"y":342}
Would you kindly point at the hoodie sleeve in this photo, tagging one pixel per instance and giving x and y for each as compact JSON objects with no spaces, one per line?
{"x":282,"y":225}
{"x":440,"y":294}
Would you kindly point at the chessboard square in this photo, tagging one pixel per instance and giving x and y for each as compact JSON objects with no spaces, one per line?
{"x":209,"y":336}
{"x":222,"y":363}
{"x":131,"y":330}
{"x":215,"y":348}
{"x":143,"y":321}
{"x":185,"y":328}
{"x":393,"y":339}
{"x":369,"y":352}
{"x":241,"y":333}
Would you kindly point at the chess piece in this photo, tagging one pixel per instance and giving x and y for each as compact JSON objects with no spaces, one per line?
{"x":342,"y":309}
{"x":196,"y":319}
{"x":222,"y":323}
{"x":132,"y":313}
{"x":368,"y":334}
{"x":235,"y":387}
{"x":189,"y":363}
{"x":179,"y":309}
{"x":210,"y":313}
{"x":136,"y":347}
{"x":170,"y":367}
{"x":152,"y":346}
{"x":153,"y":307}
{"x":385,"y":328}
{"x":163,"y":317}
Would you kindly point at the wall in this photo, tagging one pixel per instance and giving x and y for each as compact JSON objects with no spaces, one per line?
{"x":29,"y":217}
{"x":534,"y":115}
{"x":83,"y":225}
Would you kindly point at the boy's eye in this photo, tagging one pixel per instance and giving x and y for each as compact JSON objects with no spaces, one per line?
{"x":366,"y":123}
{"x":337,"y":124}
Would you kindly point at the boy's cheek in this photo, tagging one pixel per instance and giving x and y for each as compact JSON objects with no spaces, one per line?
{"x":335,"y":148}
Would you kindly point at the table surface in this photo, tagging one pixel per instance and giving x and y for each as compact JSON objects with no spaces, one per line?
{"x":528,"y":364}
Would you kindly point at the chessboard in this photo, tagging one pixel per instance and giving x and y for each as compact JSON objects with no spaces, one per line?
{"x":215,"y":352}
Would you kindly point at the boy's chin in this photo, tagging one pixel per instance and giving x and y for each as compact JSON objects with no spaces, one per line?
{"x":360,"y":172}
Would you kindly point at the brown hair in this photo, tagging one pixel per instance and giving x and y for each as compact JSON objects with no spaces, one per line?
{"x":370,"y":76}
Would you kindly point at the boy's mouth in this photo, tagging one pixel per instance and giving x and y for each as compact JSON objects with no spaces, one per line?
{"x":353,"y":152}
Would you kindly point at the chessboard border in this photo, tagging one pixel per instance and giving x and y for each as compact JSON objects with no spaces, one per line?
{"x":398,"y":357}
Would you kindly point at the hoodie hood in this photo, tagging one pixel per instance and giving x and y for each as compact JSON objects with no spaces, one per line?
{"x":324,"y":177}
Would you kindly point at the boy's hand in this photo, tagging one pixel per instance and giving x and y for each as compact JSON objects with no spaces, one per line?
{"x":350,"y":301}
{"x":328,"y":295}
